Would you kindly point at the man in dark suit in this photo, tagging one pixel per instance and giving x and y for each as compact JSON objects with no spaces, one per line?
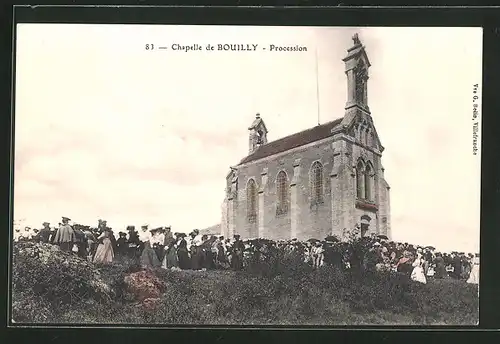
{"x":456,"y":262}
{"x":44,"y":235}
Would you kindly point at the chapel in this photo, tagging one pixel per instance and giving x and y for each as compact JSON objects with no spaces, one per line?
{"x":318,"y":182}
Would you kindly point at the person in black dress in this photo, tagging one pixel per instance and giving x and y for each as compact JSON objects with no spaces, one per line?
{"x":182,"y":252}
{"x":237,"y":253}
{"x":121,"y":244}
{"x":133,"y":243}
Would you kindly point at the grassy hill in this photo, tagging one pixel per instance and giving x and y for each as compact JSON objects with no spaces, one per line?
{"x":54,"y":287}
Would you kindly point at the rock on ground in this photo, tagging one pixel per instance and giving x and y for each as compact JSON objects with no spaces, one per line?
{"x":144,"y":285}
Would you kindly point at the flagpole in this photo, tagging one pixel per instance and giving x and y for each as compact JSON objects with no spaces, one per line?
{"x":317,"y":83}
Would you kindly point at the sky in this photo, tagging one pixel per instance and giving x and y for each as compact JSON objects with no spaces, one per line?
{"x":107,"y":129}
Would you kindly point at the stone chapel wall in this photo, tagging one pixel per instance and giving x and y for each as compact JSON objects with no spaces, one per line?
{"x":312,"y":220}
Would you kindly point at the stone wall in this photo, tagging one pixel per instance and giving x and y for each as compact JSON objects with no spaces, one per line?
{"x":311,"y":220}
{"x":338,"y":156}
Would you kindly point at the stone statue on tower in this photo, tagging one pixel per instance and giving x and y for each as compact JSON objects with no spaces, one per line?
{"x":356,"y":40}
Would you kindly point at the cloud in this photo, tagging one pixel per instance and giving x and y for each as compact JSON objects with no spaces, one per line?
{"x":106,"y":129}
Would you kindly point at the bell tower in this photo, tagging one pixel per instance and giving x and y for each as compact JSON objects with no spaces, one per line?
{"x":258,"y":134}
{"x":356,"y":69}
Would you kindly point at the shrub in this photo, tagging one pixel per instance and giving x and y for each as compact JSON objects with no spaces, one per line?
{"x":43,"y":272}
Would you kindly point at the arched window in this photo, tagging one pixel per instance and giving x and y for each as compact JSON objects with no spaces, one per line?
{"x":360,"y":180}
{"x":251,"y":201}
{"x":316,"y":183}
{"x":368,"y":182}
{"x":281,"y":193}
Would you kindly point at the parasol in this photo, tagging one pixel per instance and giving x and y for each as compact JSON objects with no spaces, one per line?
{"x":432,"y":248}
{"x":383,"y":237}
{"x":332,"y":238}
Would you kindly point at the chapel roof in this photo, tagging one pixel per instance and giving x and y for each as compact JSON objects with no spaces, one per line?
{"x":301,"y":138}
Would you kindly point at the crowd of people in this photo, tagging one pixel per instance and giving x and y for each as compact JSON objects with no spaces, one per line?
{"x":159,"y":247}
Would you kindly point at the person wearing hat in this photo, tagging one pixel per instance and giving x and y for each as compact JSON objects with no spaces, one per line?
{"x":195,"y":249}
{"x":81,"y":244}
{"x":474,"y":274}
{"x":417,"y":273}
{"x":133,"y":242}
{"x":170,"y":259}
{"x":456,"y":263}
{"x":466,"y":266}
{"x":210,"y":249}
{"x":103,"y":225}
{"x":216,"y":246}
{"x":317,"y":253}
{"x":65,"y":236}
{"x":204,"y":252}
{"x":440,"y":267}
{"x":307,"y":252}
{"x":26,"y":234}
{"x":44,"y":234}
{"x":189,"y":241}
{"x":17,"y":234}
{"x":182,"y":252}
{"x":159,"y":242}
{"x":221,"y":261}
{"x":372,"y":257}
{"x":35,"y":235}
{"x":91,"y":240}
{"x":104,"y":253}
{"x":167,"y":236}
{"x":144,"y":235}
{"x":149,"y":259}
{"x":121,"y":244}
{"x":237,"y":253}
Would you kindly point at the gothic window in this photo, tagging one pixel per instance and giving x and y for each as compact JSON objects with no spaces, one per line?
{"x":251,"y":201}
{"x":281,"y":193}
{"x":360,"y":180}
{"x":316,"y":183}
{"x":368,"y":182}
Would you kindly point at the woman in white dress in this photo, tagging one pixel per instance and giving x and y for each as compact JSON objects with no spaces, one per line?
{"x":418,"y":271}
{"x":104,"y":253}
{"x":474,"y":274}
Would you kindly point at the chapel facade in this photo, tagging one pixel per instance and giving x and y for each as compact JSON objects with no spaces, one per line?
{"x":317,"y":182}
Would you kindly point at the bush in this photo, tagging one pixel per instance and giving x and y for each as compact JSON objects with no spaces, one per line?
{"x":44,"y":274}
